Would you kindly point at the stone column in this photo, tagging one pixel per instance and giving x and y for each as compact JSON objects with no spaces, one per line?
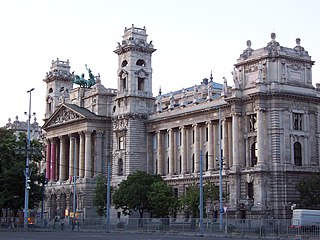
{"x":98,"y":162}
{"x":88,"y":161}
{"x":196,"y":147}
{"x":82,"y":152}
{"x":72,"y":156}
{"x":53,"y":161}
{"x":260,"y":137}
{"x":210,"y":146}
{"x":159,"y":153}
{"x":215,"y":145}
{"x":48,"y":158}
{"x":230,"y":162}
{"x":77,"y":163}
{"x":183,"y":150}
{"x":225,"y":144}
{"x":63,"y":159}
{"x":235,"y":141}
{"x":171,"y":151}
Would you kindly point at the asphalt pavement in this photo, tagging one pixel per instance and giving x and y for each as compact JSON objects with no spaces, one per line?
{"x":28,"y":235}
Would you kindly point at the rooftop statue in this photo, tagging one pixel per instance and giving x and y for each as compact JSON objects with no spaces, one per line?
{"x":80,"y":80}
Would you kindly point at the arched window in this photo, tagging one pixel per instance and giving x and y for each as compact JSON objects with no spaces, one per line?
{"x":120,"y":167}
{"x":50,"y":90}
{"x":141,"y":63}
{"x":297,"y":154}
{"x":254,"y":157}
{"x":124,"y":63}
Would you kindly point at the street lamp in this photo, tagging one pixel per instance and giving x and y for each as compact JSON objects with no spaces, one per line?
{"x":220,"y":174}
{"x":201,"y":195}
{"x":27,"y":177}
{"x":108,"y":196}
{"x":220,"y":159}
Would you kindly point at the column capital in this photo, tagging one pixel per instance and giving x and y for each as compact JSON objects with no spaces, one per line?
{"x":169,"y":130}
{"x":87,"y":132}
{"x":99,"y":133}
{"x":237,"y":114}
{"x":62,"y":138}
{"x":209,"y":122}
{"x":71,"y":135}
{"x":182,"y":127}
{"x":195,"y":125}
{"x":259,"y":109}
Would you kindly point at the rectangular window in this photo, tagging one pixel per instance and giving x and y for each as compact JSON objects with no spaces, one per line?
{"x":192,"y":135}
{"x":207,"y":134}
{"x":141,"y":84}
{"x":250,"y":190}
{"x":121,"y":142}
{"x":297,"y":119}
{"x":252,"y":122}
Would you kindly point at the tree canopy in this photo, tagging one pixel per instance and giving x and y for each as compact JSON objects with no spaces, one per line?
{"x":12,"y":166}
{"x":132,"y":194}
{"x":309,"y":192}
{"x":162,"y":200}
{"x":100,"y":195}
{"x":190,"y":202}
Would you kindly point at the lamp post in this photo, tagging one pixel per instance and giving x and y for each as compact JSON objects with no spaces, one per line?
{"x":74,"y":178}
{"x":108,"y":196}
{"x":27,"y":177}
{"x":220,"y":174}
{"x":201,"y":195}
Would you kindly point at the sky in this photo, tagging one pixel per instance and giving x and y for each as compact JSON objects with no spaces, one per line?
{"x":192,"y":39}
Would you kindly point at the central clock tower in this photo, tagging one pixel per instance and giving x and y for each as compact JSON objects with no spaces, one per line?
{"x":133,"y":103}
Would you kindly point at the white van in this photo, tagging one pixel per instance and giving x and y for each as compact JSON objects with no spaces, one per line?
{"x":305,"y":218}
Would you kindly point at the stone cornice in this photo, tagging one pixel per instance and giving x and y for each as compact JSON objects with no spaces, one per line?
{"x":136,"y":48}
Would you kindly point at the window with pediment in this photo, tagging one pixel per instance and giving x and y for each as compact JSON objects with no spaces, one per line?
{"x":297,"y":121}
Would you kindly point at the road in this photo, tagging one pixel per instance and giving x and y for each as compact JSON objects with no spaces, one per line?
{"x":22,"y":235}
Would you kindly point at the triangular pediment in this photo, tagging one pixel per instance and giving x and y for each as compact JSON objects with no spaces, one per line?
{"x":64,"y":114}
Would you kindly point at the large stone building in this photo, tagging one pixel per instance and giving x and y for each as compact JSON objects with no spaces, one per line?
{"x":266,"y":128}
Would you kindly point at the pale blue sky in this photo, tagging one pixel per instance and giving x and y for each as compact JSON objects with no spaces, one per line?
{"x":191,"y":37}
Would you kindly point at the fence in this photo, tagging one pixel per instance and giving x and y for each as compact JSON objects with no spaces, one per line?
{"x":277,"y":228}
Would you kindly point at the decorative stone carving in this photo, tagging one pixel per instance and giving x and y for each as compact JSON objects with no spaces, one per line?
{"x":120,"y":124}
{"x":273,"y":47}
{"x":235,"y":78}
{"x":171,"y":106}
{"x":183,"y":98}
{"x":158,"y":103}
{"x":247,"y":52}
{"x":65,"y":115}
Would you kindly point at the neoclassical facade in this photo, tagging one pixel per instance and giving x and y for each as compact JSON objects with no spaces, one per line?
{"x":265,"y":128}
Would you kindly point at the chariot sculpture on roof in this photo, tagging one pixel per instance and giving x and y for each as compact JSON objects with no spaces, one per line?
{"x":80,"y":80}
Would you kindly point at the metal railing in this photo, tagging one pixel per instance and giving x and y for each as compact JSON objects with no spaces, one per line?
{"x":279,"y":228}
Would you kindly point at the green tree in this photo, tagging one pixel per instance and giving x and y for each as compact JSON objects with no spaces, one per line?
{"x":100,"y":194}
{"x":12,"y":166}
{"x":211,"y":192}
{"x":309,"y":192}
{"x":190,"y":201}
{"x":162,"y":200}
{"x":132,"y":194}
